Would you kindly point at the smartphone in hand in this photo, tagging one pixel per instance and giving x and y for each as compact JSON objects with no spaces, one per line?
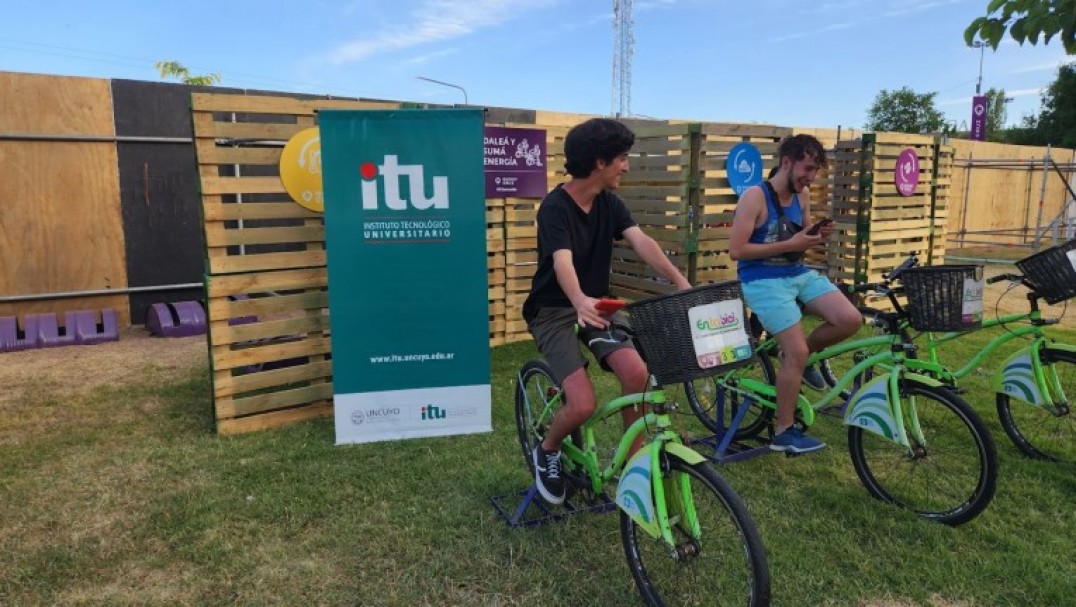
{"x":818,"y":226}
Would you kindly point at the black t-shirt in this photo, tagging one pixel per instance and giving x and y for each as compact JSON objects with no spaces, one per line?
{"x":589,"y":236}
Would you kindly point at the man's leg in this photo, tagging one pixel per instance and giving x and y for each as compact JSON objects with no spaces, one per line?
{"x":787,"y":437}
{"x":794,"y":351}
{"x":634,"y":377}
{"x":579,"y":402}
{"x":840,"y":319}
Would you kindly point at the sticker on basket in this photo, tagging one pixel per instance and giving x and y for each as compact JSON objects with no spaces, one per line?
{"x":718,"y":333}
{"x":972,"y":308}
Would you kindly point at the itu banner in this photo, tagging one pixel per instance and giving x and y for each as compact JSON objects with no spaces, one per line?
{"x":405,"y":231}
{"x":978,"y":117}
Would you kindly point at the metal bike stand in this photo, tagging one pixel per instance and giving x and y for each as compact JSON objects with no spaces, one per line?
{"x":531,"y":510}
{"x":725,"y":449}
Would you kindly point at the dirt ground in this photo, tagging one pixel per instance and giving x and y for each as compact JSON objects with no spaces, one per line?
{"x":76,"y":368}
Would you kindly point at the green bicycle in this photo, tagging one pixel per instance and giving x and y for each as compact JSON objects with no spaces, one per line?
{"x":1031,"y":386}
{"x":687,"y":536}
{"x":913,"y":441}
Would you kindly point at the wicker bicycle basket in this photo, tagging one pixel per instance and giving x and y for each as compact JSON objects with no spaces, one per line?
{"x":944,"y":298}
{"x":1052,"y":272}
{"x":692,"y":333}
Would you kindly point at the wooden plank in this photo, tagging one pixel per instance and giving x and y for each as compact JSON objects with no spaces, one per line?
{"x":61,"y":225}
{"x":266,"y":262}
{"x":262,"y":282}
{"x":271,"y":401}
{"x":727,"y":129}
{"x":275,"y":419}
{"x":226,"y":358}
{"x":238,"y":384}
{"x":38,"y":104}
{"x":217,"y":236}
{"x":212,"y":184}
{"x":224,"y":308}
{"x":256,"y":210}
{"x":269,"y":329}
{"x":275,"y":104}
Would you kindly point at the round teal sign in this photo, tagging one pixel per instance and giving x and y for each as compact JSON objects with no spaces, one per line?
{"x":744,"y":167}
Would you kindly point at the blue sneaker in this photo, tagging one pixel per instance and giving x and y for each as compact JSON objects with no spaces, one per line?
{"x":812,"y":377}
{"x":793,"y":440}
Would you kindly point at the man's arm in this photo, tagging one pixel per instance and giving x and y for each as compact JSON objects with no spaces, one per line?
{"x":587,"y":314}
{"x":650,"y":252}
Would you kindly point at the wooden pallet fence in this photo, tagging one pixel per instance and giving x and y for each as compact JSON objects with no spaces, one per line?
{"x":718,"y":199}
{"x":659,"y":191}
{"x":877,"y":228}
{"x":266,"y":282}
{"x":521,"y":237}
{"x":496,"y":267}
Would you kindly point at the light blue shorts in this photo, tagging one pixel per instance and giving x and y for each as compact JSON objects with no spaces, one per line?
{"x":774,"y":299}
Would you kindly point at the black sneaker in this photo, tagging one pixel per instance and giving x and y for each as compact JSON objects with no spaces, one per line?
{"x":547,"y":475}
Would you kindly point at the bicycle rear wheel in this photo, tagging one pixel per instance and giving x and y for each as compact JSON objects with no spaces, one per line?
{"x":950,"y":478}
{"x":703,"y":395}
{"x":1037,"y":431}
{"x":726,"y":565}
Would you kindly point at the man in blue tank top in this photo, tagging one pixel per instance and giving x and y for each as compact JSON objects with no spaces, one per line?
{"x":770,"y":232}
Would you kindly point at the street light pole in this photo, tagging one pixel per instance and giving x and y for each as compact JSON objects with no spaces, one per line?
{"x":979,"y":44}
{"x":455,"y":86}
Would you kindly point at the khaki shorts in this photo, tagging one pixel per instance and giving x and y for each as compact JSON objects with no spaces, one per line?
{"x":554,"y":333}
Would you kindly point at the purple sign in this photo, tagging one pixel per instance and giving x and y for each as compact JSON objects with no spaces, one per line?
{"x":907,"y":174}
{"x":978,"y":117}
{"x":515,"y":162}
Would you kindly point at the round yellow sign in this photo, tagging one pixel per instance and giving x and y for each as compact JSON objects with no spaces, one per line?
{"x":300,"y":169}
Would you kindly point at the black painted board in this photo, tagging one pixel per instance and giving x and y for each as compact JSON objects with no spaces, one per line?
{"x":156,"y":109}
{"x":162,"y":217}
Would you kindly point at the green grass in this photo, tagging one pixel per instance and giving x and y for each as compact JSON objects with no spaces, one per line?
{"x":124,"y":496}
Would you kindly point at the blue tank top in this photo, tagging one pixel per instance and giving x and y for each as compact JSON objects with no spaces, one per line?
{"x":771,"y":267}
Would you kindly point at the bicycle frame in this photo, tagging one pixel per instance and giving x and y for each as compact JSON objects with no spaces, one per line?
{"x":664,"y":439}
{"x":875,"y":406}
{"x":1023,"y":375}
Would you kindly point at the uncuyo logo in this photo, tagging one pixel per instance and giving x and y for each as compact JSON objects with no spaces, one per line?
{"x":391,"y":171}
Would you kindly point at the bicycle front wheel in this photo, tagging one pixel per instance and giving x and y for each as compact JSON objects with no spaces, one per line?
{"x":705,"y":393}
{"x":725,"y":565}
{"x":950,"y":477}
{"x":1038,"y":431}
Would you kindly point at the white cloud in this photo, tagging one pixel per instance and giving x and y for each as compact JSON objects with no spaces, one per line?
{"x":436,"y":21}
{"x":1042,"y":67}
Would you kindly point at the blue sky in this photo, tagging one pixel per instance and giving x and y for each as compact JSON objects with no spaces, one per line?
{"x":811,"y":64}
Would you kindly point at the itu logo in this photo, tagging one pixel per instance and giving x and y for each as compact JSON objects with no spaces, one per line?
{"x":433,"y":412}
{"x":391,"y":172}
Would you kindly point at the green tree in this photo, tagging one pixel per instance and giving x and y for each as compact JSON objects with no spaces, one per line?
{"x":175,"y":69}
{"x":996,"y":113}
{"x":1026,"y":20}
{"x":1056,"y":123}
{"x":905,"y":111}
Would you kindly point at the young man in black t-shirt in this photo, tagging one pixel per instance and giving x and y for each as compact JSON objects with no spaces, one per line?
{"x":577,"y":223}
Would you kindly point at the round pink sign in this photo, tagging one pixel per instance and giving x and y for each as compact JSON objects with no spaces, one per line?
{"x":907,"y":175}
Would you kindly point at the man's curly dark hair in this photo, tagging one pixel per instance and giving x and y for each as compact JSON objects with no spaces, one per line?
{"x":596,"y":139}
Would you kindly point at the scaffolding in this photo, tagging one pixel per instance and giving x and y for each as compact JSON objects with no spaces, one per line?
{"x":1060,"y":227}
